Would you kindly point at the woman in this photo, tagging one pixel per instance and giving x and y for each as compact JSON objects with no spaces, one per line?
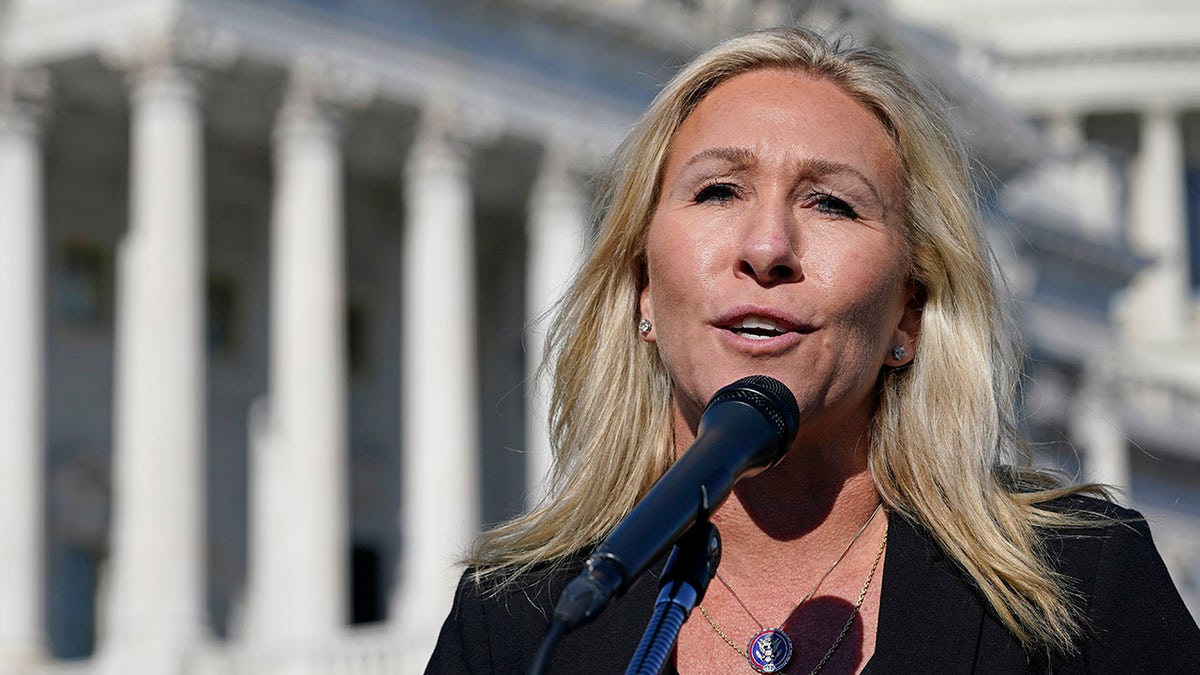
{"x":797,"y":209}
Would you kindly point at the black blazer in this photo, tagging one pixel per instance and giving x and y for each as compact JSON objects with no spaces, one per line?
{"x":931,"y":620}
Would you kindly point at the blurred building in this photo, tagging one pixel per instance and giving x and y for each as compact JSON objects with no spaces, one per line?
{"x":1114,"y":86}
{"x":273,"y":273}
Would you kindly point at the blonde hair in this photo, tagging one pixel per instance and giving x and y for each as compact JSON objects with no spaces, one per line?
{"x":943,"y":442}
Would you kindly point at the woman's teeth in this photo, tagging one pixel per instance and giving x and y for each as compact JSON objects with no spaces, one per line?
{"x":757,"y":328}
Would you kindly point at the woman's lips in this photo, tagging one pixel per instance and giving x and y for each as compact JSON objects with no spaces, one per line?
{"x":758,"y":328}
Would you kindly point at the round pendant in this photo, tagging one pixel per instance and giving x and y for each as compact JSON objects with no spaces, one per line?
{"x":769,"y":650}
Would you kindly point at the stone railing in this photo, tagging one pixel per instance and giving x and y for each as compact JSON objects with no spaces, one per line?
{"x":1167,"y":413}
{"x":1084,"y":189}
{"x":65,"y":668}
{"x":1165,"y":401}
{"x":372,"y":650}
{"x":362,"y":651}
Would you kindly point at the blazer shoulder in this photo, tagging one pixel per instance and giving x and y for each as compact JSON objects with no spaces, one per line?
{"x":494,"y":627}
{"x":1137,"y":620}
{"x":1091,"y":507}
{"x":497,"y":627}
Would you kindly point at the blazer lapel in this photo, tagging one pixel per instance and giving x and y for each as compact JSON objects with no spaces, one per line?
{"x":930,"y":620}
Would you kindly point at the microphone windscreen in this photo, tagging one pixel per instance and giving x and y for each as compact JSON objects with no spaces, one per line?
{"x":770,"y":397}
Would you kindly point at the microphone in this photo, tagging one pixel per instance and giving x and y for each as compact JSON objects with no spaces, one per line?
{"x":747,"y":425}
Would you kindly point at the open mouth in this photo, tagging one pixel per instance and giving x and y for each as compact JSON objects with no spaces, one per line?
{"x":757,"y":328}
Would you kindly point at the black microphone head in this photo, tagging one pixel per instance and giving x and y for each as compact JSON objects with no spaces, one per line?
{"x":770,"y":397}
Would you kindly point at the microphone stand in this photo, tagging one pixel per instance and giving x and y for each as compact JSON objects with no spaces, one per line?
{"x":690,"y":567}
{"x":747,"y":425}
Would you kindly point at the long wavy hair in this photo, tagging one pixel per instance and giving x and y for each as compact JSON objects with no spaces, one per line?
{"x":944,"y":448}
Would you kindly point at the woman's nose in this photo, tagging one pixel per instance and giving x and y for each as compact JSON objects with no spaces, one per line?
{"x":769,"y":251}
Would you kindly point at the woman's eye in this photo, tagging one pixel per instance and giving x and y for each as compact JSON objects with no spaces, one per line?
{"x":717,"y":192}
{"x":833,"y":206}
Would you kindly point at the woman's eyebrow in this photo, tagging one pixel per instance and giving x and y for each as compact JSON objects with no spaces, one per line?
{"x":826,"y":167}
{"x":740,"y":158}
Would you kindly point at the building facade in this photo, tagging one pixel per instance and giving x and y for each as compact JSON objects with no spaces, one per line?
{"x":1115,"y":88}
{"x":277,"y":273}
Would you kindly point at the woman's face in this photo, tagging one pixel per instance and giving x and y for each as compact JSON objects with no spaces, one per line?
{"x":776,"y":248}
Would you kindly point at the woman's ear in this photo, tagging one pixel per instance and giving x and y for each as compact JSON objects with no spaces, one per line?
{"x":908,"y":332}
{"x":646,"y":320}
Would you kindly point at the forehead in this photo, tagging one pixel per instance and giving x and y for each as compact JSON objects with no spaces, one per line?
{"x":789,"y":116}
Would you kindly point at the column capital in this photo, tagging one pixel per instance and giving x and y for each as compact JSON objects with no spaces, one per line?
{"x":571,"y":157}
{"x":171,"y":60}
{"x":1160,"y":110}
{"x":25,"y":98}
{"x":1064,"y":128}
{"x":561,"y":181}
{"x":449,"y":128}
{"x":320,"y":90}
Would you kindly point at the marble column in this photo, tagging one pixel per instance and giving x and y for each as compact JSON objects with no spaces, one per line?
{"x":22,"y":436}
{"x":1065,"y":130}
{"x":155,"y":592}
{"x":298,"y":545}
{"x":557,"y":231}
{"x":1096,"y":427}
{"x":1158,"y":307}
{"x":1080,"y":179}
{"x":440,"y":484}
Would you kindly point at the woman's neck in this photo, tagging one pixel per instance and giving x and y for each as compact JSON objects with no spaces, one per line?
{"x":806,"y":506}
{"x":806,"y":522}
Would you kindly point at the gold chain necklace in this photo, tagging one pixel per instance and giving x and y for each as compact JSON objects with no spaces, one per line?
{"x":770,"y":649}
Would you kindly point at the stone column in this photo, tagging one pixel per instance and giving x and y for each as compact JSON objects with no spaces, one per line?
{"x":557,"y":230}
{"x":1065,"y":131}
{"x":156,"y":588}
{"x":1096,"y":427}
{"x":1158,"y":306}
{"x":154,"y":607}
{"x":22,"y":439}
{"x":440,"y":504}
{"x":299,"y":546}
{"x":1079,"y":179}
